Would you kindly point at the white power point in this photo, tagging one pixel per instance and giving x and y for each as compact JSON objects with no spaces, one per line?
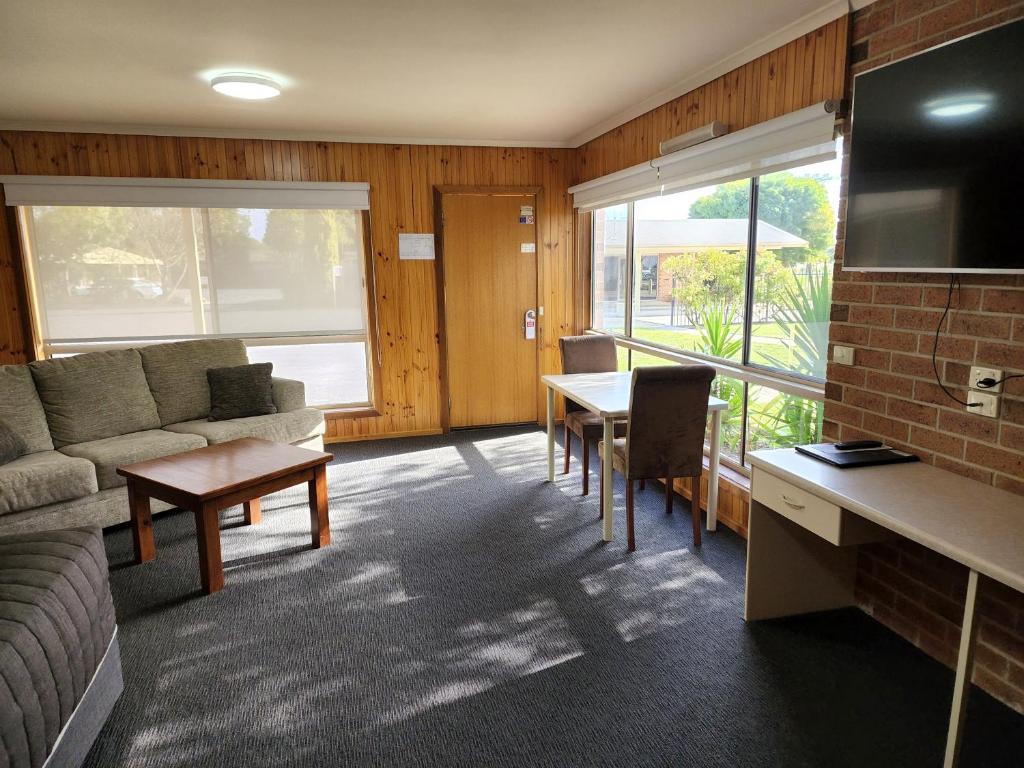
{"x":989,"y":404}
{"x":979,"y":374}
{"x":842,"y":355}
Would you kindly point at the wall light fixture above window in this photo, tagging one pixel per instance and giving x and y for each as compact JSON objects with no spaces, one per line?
{"x":244,"y":85}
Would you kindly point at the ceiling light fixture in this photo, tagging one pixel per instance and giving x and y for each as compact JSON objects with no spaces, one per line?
{"x":243,"y":85}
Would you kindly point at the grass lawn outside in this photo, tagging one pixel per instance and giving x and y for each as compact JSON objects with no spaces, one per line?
{"x":769,"y":341}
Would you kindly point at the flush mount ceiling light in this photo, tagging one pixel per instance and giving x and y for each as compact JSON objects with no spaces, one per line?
{"x":961,"y":105}
{"x":243,"y":85}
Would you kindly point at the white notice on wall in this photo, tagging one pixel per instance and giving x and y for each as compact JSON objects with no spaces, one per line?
{"x":419,"y":247}
{"x":528,"y":248}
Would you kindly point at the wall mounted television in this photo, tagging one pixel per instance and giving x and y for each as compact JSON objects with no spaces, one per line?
{"x":936,"y":178}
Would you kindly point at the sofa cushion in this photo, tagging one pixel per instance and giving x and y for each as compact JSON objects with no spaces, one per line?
{"x":95,"y":395}
{"x":11,"y":444}
{"x":177,"y":374}
{"x":46,"y":477}
{"x":289,"y":394}
{"x":21,"y":409}
{"x":240,"y":391}
{"x":287,"y":427}
{"x":112,"y":452}
{"x":56,"y":622}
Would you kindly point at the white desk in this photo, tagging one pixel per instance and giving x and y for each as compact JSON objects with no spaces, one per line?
{"x":607,"y":395}
{"x":806,"y":518}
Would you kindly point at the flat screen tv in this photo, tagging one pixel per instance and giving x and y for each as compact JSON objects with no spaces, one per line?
{"x":937,"y":160}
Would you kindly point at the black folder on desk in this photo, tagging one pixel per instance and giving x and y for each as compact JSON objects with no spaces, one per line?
{"x":827,"y":452}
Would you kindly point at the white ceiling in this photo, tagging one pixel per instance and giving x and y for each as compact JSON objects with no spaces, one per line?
{"x":526,"y":73}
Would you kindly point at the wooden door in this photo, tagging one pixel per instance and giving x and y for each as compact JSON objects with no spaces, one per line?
{"x":490,"y":282}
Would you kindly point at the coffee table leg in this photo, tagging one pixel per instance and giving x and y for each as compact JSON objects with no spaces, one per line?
{"x":252,"y":511}
{"x":211,"y":567}
{"x":142,"y":524}
{"x":318,"y":508}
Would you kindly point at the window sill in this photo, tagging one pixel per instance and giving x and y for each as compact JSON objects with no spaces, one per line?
{"x":733,"y":476}
{"x":793,"y":385}
{"x":361,"y":412}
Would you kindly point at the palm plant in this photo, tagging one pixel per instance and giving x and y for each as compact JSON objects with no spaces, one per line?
{"x":805,"y":323}
{"x":719,"y":332}
{"x":720,"y":336}
{"x":731,"y":391}
{"x":786,"y":420}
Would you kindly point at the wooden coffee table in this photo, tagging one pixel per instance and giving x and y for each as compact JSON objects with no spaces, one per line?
{"x":207,"y":480}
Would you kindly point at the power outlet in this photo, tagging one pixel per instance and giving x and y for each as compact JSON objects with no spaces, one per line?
{"x":989,"y":404}
{"x":842,"y":355}
{"x":978,"y":373}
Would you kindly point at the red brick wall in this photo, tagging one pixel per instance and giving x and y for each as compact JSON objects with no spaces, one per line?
{"x":890,"y":319}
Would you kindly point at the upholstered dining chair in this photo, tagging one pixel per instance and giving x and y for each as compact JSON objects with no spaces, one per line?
{"x":586,"y":354}
{"x":668,"y":411}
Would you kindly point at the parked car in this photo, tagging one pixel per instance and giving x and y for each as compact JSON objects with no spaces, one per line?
{"x":121,"y":289}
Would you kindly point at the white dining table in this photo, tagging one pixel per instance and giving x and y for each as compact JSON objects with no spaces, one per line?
{"x":607,"y":395}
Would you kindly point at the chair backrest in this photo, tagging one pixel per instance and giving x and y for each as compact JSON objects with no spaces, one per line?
{"x":587,"y":354}
{"x":668,"y":411}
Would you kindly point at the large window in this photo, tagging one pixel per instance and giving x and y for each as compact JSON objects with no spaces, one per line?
{"x":689,"y":269}
{"x":738,"y":274}
{"x":609,"y":265}
{"x":292,"y":283}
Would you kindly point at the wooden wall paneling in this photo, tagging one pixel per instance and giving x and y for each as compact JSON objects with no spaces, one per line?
{"x":15,"y":324}
{"x":800,"y":73}
{"x":401,"y":178}
{"x":733,"y":500}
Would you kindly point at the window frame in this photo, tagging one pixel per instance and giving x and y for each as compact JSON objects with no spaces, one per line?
{"x":44,"y":349}
{"x":744,"y":370}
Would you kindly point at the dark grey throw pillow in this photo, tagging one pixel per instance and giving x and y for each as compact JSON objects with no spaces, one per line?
{"x":241,"y":390}
{"x":11,"y":444}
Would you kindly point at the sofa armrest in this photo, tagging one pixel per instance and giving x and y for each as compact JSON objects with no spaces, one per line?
{"x":289,"y":394}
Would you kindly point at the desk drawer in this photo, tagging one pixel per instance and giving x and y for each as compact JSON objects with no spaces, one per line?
{"x":803,"y":508}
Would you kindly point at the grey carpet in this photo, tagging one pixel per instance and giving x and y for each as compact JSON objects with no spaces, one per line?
{"x":465,"y":613}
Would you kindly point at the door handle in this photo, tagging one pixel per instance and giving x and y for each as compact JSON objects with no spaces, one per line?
{"x":530,"y":324}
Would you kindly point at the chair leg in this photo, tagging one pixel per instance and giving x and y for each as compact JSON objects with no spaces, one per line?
{"x":568,"y":437}
{"x":643,"y":484}
{"x":586,"y":466}
{"x":695,"y":508}
{"x":668,"y":495}
{"x":630,"y":540}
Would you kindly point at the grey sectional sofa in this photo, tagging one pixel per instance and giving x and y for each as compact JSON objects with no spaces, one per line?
{"x":83,"y":416}
{"x":60,"y":666}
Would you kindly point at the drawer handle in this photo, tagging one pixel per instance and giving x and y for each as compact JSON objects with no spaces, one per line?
{"x":792,"y":503}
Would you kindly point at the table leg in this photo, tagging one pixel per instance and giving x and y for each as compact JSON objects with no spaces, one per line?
{"x":551,"y":435}
{"x":211,"y":567}
{"x":142,"y":524}
{"x":713,"y":462}
{"x":964,"y":664}
{"x":253,"y":515}
{"x":318,"y":508}
{"x":606,"y":475}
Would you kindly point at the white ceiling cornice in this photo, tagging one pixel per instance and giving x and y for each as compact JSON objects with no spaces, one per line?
{"x":812,"y":21}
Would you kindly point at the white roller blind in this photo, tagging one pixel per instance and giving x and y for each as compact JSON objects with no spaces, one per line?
{"x":799,"y":138}
{"x":623,"y":186}
{"x":184,"y":193}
